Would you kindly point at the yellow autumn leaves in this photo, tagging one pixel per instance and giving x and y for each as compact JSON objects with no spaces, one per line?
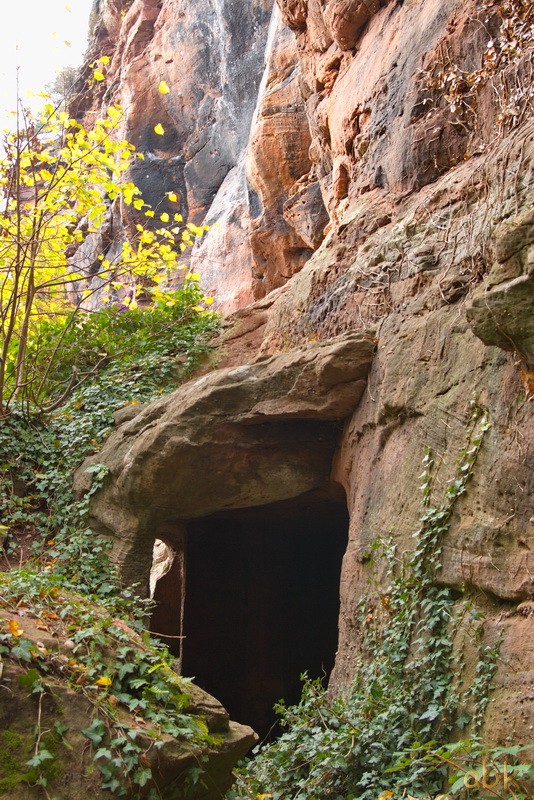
{"x":67,"y":173}
{"x":14,"y":628}
{"x":98,"y":75}
{"x":97,"y":67}
{"x":163,"y":88}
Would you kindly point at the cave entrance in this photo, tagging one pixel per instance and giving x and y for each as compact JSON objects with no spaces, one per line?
{"x":261,"y":601}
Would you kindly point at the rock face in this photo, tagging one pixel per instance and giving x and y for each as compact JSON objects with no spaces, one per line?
{"x":500,"y":312}
{"x":236,"y":135}
{"x":404,"y":129}
{"x":279,"y":412}
{"x":212,"y":60}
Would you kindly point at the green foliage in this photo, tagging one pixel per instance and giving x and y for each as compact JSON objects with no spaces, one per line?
{"x":405,"y":698}
{"x":25,"y":761}
{"x":477,"y":770}
{"x":152,"y":350}
{"x":148,"y":351}
{"x":117,"y":333}
{"x":64,"y":371}
{"x":115,"y":668}
{"x":59,"y":183}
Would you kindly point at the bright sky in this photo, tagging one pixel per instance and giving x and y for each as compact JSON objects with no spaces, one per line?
{"x":34,"y":36}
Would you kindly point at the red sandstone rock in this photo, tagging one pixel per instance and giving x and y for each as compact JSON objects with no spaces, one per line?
{"x":346,"y":18}
{"x":277,"y":159}
{"x":429,"y":243}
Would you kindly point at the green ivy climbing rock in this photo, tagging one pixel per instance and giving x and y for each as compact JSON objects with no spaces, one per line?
{"x":383,"y":738}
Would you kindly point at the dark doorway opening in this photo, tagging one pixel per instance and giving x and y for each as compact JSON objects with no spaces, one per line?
{"x":262,"y":602}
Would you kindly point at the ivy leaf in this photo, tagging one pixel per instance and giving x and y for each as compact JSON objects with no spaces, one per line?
{"x":30,"y":680}
{"x":39,"y":757}
{"x":23,"y":650}
{"x":142,"y":776}
{"x":95,"y":732}
{"x":103,"y":752}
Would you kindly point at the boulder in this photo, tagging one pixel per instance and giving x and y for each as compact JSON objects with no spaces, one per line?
{"x":53,"y":717}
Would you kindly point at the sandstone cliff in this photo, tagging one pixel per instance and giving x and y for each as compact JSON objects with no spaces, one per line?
{"x":370,"y":169}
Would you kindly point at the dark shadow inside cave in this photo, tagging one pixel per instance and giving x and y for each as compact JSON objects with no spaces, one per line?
{"x":261,"y":601}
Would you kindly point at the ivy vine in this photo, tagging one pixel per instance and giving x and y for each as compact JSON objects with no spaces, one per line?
{"x":377,"y":739}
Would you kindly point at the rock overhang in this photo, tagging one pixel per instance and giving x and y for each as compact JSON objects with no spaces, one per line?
{"x":234,"y":438}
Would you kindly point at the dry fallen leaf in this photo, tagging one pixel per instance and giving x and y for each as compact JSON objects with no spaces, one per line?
{"x":14,"y":628}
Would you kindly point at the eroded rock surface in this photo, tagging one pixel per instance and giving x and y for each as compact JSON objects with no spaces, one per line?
{"x":212,"y":58}
{"x":414,"y":157}
{"x":258,"y":433}
{"x":500,"y":312}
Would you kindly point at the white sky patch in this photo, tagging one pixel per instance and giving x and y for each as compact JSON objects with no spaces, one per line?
{"x":40,"y":37}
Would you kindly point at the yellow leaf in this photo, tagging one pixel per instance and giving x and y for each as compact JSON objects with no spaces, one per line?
{"x":14,"y":628}
{"x":104,"y":681}
{"x":164,"y":217}
{"x":173,"y":197}
{"x":98,"y":75}
{"x":159,"y":129}
{"x":138,"y":204}
{"x":178,"y":218}
{"x":164,"y":87}
{"x":208,"y":300}
{"x":149,"y":213}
